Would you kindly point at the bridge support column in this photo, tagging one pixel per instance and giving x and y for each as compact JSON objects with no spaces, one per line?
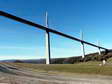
{"x":83,"y":50}
{"x":47,"y":43}
{"x":99,"y":51}
{"x":82,"y":45}
{"x":47,"y":47}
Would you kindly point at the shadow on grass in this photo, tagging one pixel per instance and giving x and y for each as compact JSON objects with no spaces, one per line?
{"x":6,"y":70}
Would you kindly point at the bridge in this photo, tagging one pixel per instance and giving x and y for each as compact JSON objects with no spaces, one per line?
{"x":48,"y":31}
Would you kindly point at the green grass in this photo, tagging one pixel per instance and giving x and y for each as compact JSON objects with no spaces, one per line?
{"x":82,"y":68}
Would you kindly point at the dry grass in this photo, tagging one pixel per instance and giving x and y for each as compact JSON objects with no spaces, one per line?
{"x":82,"y":68}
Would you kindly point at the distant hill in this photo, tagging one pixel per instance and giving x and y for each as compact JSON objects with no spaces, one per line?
{"x":37,"y":61}
{"x":69,"y":60}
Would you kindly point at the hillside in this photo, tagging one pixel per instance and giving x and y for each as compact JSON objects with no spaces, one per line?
{"x":91,"y":67}
{"x":86,"y":72}
{"x":69,"y":60}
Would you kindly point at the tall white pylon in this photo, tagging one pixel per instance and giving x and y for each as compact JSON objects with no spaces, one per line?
{"x":99,"y":51}
{"x":82,"y":45}
{"x":47,"y":42}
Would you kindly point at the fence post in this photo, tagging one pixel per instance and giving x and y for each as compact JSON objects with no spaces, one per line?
{"x":47,"y":42}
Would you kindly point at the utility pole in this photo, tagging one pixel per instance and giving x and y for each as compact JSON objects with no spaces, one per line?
{"x":82,"y":45}
{"x":47,"y":42}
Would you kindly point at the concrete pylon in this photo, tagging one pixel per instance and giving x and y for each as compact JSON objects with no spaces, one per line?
{"x":99,"y":50}
{"x":47,"y":42}
{"x":82,"y":45}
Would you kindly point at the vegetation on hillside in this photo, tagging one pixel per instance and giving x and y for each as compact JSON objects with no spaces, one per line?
{"x":91,"y":67}
{"x":69,"y":60}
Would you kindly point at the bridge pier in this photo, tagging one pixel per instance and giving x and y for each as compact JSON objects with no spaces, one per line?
{"x":47,"y":43}
{"x":47,"y":47}
{"x":83,"y":50}
{"x":82,"y":45}
{"x":99,"y":50}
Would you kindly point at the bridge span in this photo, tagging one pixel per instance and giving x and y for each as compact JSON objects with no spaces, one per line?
{"x":48,"y":30}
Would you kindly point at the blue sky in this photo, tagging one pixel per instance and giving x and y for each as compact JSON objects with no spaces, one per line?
{"x":20,"y":41}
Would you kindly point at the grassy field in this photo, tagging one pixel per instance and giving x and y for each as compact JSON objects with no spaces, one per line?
{"x":82,"y":68}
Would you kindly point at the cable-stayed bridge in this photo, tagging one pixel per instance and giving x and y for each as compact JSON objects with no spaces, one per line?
{"x":48,"y":31}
